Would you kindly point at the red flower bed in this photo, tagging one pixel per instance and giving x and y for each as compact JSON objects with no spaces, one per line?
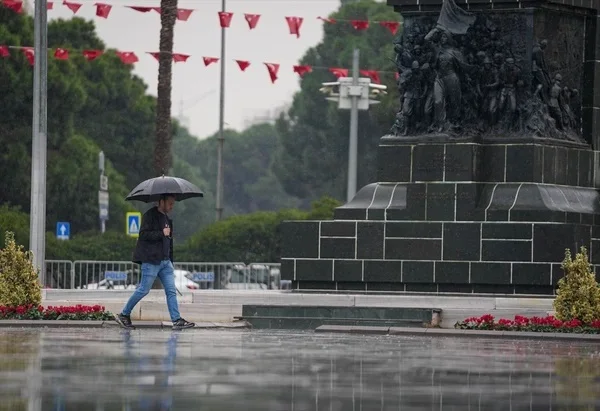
{"x":536,"y":324}
{"x":76,"y":312}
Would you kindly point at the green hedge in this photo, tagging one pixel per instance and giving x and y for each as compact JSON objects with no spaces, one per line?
{"x":247,"y":238}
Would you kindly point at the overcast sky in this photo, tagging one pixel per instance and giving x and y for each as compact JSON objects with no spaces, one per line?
{"x":196,"y":87}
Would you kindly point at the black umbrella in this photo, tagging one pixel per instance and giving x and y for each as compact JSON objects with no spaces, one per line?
{"x":152,"y":189}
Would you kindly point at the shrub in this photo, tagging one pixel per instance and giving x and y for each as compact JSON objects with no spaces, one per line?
{"x":578,"y":294}
{"x":19,"y":283}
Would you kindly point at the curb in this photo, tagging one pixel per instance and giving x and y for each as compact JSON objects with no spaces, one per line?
{"x":449,"y":332}
{"x":112,"y":324}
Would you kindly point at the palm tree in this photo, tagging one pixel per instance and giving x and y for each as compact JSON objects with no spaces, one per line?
{"x":162,"y":148}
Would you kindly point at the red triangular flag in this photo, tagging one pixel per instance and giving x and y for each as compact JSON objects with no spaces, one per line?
{"x":339,"y":72}
{"x":360,"y":24}
{"x":184,"y":14}
{"x":392,"y":26}
{"x":327,"y":20}
{"x":252,"y":20}
{"x":209,"y":60}
{"x":294,"y":24}
{"x":154,"y":54}
{"x":127,"y":57}
{"x":4,"y":52}
{"x":61,"y":54}
{"x":142,"y":9}
{"x":74,"y":7}
{"x":180,"y":58}
{"x":225,"y":18}
{"x":16,"y":6}
{"x":29,"y":54}
{"x":243,"y":64}
{"x":302,"y":70}
{"x":272,"y":68}
{"x":49,"y":5}
{"x":372,"y":74}
{"x":92,"y":54}
{"x":102,"y":10}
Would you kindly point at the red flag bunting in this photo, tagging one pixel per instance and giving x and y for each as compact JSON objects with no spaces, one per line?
{"x":243,"y":64}
{"x":143,"y":9}
{"x":103,"y":10}
{"x":339,"y":72}
{"x":372,"y":74}
{"x":4,"y":52}
{"x":92,"y":54}
{"x":392,"y":26}
{"x":360,"y":24}
{"x":209,"y":60}
{"x":184,"y":14}
{"x":61,"y":54}
{"x":294,"y":24}
{"x":74,"y":7}
{"x":127,"y":57}
{"x":49,"y":5}
{"x":29,"y":54}
{"x":180,"y":58}
{"x":252,"y":20}
{"x":177,"y":57}
{"x":273,"y":69}
{"x":302,"y":70}
{"x":225,"y":18}
{"x":327,"y":20}
{"x":16,"y":6}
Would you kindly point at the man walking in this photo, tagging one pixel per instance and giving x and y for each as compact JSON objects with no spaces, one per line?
{"x":154,"y":251}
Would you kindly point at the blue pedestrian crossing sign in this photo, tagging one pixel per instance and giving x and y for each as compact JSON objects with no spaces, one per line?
{"x":63,"y":230}
{"x":132,"y":224}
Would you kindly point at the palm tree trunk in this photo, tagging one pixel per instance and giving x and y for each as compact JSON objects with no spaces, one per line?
{"x":162,"y":148}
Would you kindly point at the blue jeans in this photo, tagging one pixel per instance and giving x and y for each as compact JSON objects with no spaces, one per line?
{"x":164,"y":272}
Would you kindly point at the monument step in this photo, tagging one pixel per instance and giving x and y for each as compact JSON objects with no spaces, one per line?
{"x":310,"y":317}
{"x":305,"y":323}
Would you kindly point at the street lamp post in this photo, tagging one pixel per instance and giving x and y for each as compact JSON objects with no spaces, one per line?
{"x":37,"y":217}
{"x":221,"y":138}
{"x":354,"y":94}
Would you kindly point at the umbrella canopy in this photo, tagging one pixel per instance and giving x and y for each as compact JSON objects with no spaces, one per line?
{"x":152,"y":189}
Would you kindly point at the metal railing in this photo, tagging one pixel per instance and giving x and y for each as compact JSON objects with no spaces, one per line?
{"x":106,"y":275}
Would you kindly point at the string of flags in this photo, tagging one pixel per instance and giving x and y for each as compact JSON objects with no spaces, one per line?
{"x":225,"y":18}
{"x":130,"y":57}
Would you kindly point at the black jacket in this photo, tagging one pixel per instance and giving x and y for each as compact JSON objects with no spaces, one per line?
{"x":149,"y":247}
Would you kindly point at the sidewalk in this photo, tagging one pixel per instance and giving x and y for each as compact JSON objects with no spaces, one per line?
{"x":221,"y":306}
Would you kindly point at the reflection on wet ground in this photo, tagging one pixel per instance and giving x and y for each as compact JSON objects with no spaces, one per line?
{"x":111,"y":369}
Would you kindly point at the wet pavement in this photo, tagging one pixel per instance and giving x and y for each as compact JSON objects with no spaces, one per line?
{"x":113,"y":369}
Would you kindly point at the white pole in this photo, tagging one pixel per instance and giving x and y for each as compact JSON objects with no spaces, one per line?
{"x":37,"y":227}
{"x":353,"y":146}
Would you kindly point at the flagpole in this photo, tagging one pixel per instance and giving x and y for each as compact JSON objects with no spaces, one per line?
{"x":221,"y":138}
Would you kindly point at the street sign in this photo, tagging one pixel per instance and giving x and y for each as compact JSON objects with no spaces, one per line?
{"x":103,"y":198}
{"x":199,"y":276}
{"x":103,"y":183}
{"x":103,"y":213}
{"x":115,"y":275}
{"x":63,"y":230}
{"x":103,"y":203}
{"x":133,"y":221}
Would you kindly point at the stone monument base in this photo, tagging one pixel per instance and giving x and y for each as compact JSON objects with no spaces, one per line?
{"x":454,"y":217}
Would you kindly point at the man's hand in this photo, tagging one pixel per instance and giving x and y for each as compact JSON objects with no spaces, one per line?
{"x":167,"y":231}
